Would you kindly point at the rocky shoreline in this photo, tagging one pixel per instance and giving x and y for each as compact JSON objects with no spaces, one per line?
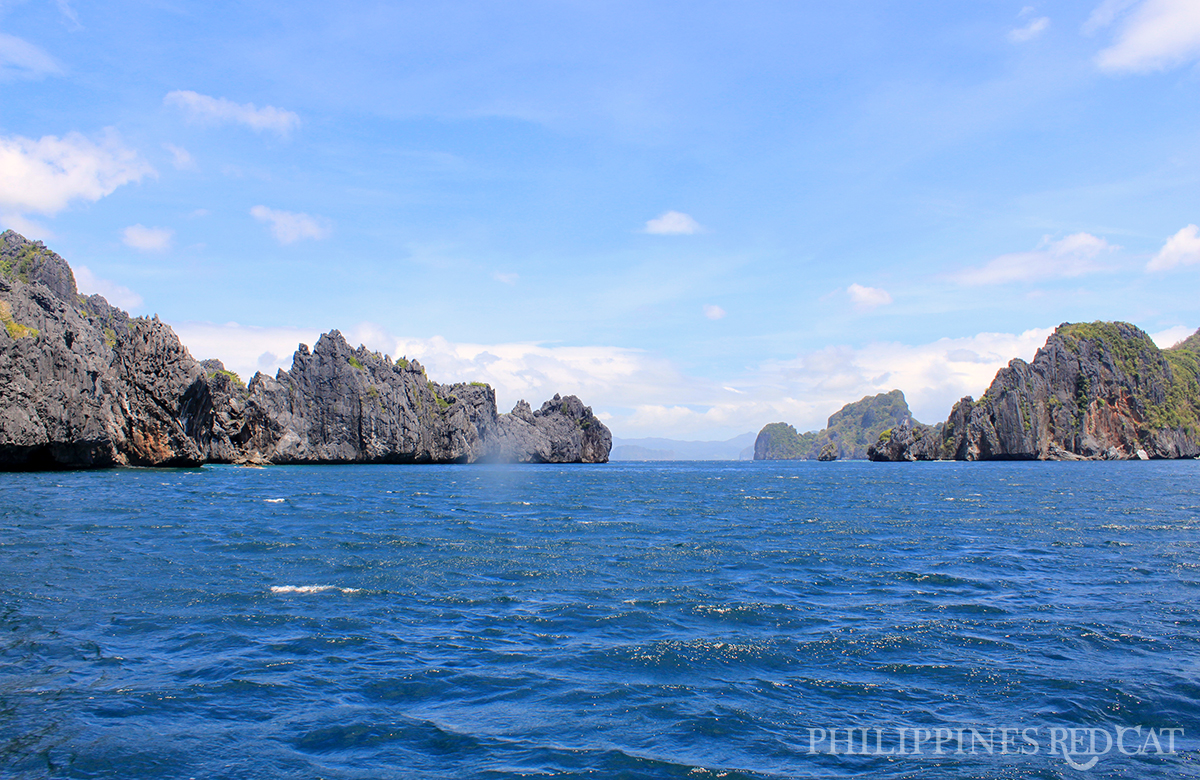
{"x":84,"y":385}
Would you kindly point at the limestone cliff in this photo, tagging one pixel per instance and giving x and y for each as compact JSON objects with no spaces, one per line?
{"x":81,"y":383}
{"x":848,"y":434}
{"x":84,"y":385}
{"x":1095,"y":391}
{"x":343,"y":405}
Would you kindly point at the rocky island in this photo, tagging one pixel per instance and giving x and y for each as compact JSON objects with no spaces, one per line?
{"x":848,"y":434}
{"x":1094,"y":391}
{"x":84,"y":385}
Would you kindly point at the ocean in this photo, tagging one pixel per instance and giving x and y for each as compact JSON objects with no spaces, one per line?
{"x":628,"y":620}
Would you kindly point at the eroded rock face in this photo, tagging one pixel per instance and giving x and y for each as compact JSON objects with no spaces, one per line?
{"x":907,"y":442}
{"x":343,"y":405}
{"x":84,"y":385}
{"x":81,"y":383}
{"x":1096,"y":391}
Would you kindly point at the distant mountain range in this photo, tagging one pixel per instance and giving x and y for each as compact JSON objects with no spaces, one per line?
{"x":738,"y":448}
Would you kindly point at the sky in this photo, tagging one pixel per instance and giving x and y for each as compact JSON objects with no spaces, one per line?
{"x":699,"y":217}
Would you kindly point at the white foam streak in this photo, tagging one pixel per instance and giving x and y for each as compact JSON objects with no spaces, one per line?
{"x":311,"y":589}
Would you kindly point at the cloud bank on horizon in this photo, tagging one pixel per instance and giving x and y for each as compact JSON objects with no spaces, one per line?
{"x":763,"y":216}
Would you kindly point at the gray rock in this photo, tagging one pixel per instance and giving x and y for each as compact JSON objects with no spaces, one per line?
{"x":343,"y":405}
{"x":81,"y":383}
{"x":84,"y":385}
{"x":1095,"y":391}
{"x":907,"y":442}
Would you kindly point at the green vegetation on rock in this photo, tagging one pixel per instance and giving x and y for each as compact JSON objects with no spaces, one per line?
{"x":19,"y":264}
{"x":1094,"y":391}
{"x":15,"y":329}
{"x":779,"y":441}
{"x":849,"y":433}
{"x":231,"y":376}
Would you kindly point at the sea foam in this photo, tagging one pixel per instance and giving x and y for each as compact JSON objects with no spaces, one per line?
{"x":310,"y":589}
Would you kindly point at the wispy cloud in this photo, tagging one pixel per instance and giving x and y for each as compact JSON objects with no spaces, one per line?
{"x":148,"y":239}
{"x":181,"y":158}
{"x":1183,"y":248}
{"x":1105,"y":14}
{"x":672,"y":223}
{"x":67,"y":11}
{"x":21,"y":59}
{"x":289,"y":227}
{"x":505,"y":278}
{"x":1030,"y":31}
{"x":46,"y":175}
{"x":119,"y":296}
{"x":868,"y":298}
{"x":204,"y":108}
{"x":1156,"y":35}
{"x":1066,"y":258}
{"x":714,"y":312}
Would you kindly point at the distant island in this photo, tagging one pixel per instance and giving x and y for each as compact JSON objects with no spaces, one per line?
{"x":848,"y":434}
{"x":84,"y":385}
{"x":1094,"y":391}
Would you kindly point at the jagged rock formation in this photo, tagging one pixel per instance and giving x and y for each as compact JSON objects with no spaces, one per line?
{"x":83,"y":385}
{"x":849,"y":433}
{"x":1094,"y":391}
{"x":343,"y":405}
{"x":907,"y":442}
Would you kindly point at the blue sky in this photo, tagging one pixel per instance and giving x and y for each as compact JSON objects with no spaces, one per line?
{"x":699,"y":217}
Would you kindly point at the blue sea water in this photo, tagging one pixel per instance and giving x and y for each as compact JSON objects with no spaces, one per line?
{"x":632,"y":620}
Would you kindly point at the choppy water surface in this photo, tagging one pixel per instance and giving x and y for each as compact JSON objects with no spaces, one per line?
{"x":696,"y":620}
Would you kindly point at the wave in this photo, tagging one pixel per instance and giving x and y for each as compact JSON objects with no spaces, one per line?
{"x":311,"y":589}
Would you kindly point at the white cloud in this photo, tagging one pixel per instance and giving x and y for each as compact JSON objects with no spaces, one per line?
{"x":148,"y":239}
{"x":505,"y":278}
{"x":1029,"y":31}
{"x":288,"y":227}
{"x":1183,"y":248}
{"x":1157,"y":35}
{"x":181,"y":158}
{"x":868,"y":298}
{"x":1171,"y":336}
{"x":1066,"y":258}
{"x":21,"y":59}
{"x":640,"y":394}
{"x":673,"y":223}
{"x":90,"y":284}
{"x":66,"y":10}
{"x":1106,"y":13}
{"x":244,"y":349}
{"x":933,"y":376}
{"x":26,"y":227}
{"x":44,"y":176}
{"x":204,"y":108}
{"x":713,"y":312}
